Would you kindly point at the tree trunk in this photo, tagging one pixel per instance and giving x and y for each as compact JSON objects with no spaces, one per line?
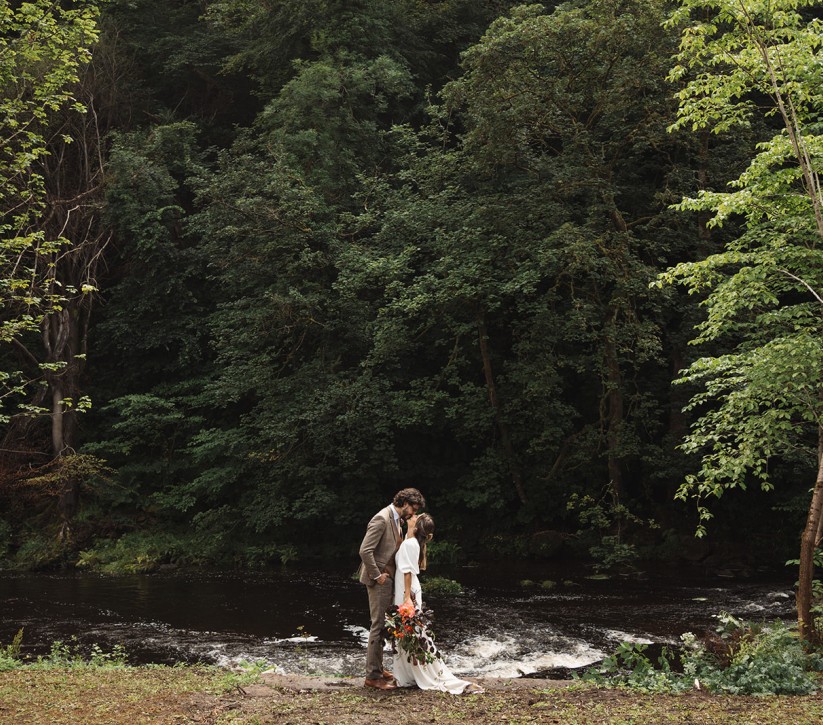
{"x":58,"y":441}
{"x":809,"y":541}
{"x":62,"y":339}
{"x":502,"y":426}
{"x":612,"y":410}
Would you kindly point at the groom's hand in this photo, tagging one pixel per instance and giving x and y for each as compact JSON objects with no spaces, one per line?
{"x":383,"y":578}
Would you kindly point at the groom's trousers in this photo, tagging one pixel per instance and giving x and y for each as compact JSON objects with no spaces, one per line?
{"x":380,"y":599}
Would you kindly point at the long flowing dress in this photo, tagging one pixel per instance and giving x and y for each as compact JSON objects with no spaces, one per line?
{"x":435,"y":675}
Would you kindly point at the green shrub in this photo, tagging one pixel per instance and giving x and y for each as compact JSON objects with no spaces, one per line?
{"x":39,"y":552}
{"x":750,"y":659}
{"x":444,"y":552}
{"x":62,"y":655}
{"x":604,"y":522}
{"x":612,"y":553}
{"x":10,"y":654}
{"x":140,"y":552}
{"x":8,"y":663}
{"x":630,"y":667}
{"x":71,"y":656}
{"x":743,"y":659}
{"x":134,"y":553}
{"x":441,"y":585}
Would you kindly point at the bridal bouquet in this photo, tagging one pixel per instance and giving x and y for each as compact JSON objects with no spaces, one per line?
{"x":410,"y":632}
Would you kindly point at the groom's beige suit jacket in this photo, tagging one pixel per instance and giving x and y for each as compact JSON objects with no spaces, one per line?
{"x":379,"y":546}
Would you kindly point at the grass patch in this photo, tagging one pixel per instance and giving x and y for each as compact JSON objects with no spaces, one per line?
{"x":95,"y":695}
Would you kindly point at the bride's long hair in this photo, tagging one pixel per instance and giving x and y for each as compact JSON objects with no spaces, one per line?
{"x":423,"y":532}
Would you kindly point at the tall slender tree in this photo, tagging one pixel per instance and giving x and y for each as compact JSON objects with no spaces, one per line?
{"x":50,"y":176}
{"x":763,"y":399}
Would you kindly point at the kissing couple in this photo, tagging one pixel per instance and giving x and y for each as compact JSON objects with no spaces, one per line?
{"x":391,"y":559}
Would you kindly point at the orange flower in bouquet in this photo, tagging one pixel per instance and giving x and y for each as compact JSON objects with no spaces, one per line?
{"x":406,"y":610}
{"x":410,"y":632}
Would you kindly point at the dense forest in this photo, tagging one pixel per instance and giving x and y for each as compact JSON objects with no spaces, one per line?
{"x":265,"y":263}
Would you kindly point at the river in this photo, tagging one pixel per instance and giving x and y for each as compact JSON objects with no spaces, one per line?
{"x":314,"y":620}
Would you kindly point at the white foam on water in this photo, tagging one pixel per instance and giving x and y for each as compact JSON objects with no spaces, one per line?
{"x":514,"y":657}
{"x":620,"y":636}
{"x":486,"y":648}
{"x":242,"y":662}
{"x":361,"y":633}
{"x":540,"y":661}
{"x":297,"y":639}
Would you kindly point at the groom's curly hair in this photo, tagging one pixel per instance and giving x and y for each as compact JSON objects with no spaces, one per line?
{"x":409,"y":495}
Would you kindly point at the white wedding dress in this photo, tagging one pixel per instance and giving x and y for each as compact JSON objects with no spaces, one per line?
{"x":435,"y":675}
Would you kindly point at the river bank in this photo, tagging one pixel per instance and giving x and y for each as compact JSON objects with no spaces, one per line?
{"x":184,"y":695}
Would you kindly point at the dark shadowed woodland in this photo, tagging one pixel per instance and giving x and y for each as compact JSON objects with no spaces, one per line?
{"x":266,"y":263}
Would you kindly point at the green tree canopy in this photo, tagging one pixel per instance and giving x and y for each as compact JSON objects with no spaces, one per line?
{"x":43,"y":47}
{"x":763,"y":399}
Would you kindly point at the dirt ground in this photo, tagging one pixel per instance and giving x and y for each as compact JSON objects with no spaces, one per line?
{"x":299,"y":700}
{"x":182,"y":696}
{"x":303,"y":683}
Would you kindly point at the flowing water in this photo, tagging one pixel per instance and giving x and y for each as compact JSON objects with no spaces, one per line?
{"x":304,"y":620}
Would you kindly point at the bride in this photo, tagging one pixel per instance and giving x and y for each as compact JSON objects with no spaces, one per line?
{"x":411,"y":558}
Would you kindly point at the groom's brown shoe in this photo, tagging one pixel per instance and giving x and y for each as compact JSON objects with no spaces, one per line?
{"x":381,"y":684}
{"x":388,"y":676}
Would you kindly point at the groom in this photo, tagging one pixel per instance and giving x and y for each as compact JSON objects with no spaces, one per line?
{"x":384,"y":535}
